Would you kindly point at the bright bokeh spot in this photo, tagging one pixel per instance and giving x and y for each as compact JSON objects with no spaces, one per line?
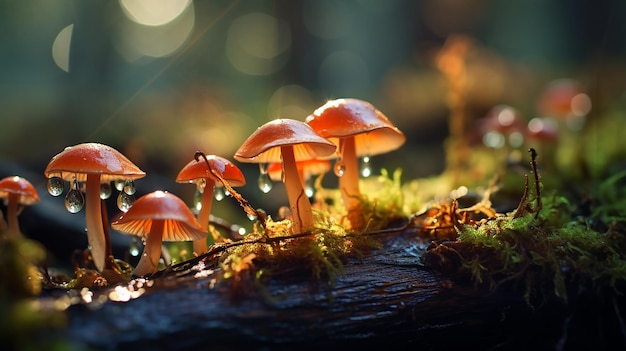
{"x":136,"y":41}
{"x":256,"y":43}
{"x":153,"y":12}
{"x":61,"y":48}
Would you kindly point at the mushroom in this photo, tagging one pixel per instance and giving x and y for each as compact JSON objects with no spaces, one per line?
{"x":502,"y":128}
{"x":358,"y":129}
{"x":306,"y":170}
{"x":17,"y":192}
{"x":97,"y":165}
{"x":287,"y":141}
{"x":205,"y":174}
{"x":156,"y":217}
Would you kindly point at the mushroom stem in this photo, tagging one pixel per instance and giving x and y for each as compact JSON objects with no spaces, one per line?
{"x":149,"y":261}
{"x":13,"y":226}
{"x":349,"y":183}
{"x":301,"y":212}
{"x":93,"y":219}
{"x":200,"y":245}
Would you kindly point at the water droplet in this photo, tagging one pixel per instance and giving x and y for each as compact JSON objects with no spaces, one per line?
{"x":125,"y":201}
{"x":263,"y":168}
{"x":251,"y":217}
{"x":105,"y":190}
{"x":129,"y":187}
{"x":200,"y":185}
{"x":133,"y":249}
{"x":219,"y":193}
{"x":265,"y":183}
{"x":366,"y":168}
{"x":119,"y":184}
{"x":197,"y":201}
{"x":56,"y":186}
{"x":340,"y":168}
{"x":74,"y":201}
{"x":308,"y":188}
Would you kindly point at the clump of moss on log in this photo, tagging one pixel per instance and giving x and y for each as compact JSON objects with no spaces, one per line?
{"x":542,"y":245}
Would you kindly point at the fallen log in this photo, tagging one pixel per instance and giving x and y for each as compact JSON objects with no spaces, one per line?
{"x":387,"y":298}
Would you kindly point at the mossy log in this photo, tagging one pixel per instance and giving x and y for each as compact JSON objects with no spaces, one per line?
{"x":386,"y":298}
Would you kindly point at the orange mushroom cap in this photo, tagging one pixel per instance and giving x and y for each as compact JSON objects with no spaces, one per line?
{"x":307,"y":168}
{"x":372,"y":130}
{"x":194,"y":171}
{"x":17,"y":185}
{"x":92,"y":158}
{"x":180,"y":223}
{"x":263,"y":145}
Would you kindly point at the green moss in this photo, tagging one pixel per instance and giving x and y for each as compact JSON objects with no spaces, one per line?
{"x":543,"y":245}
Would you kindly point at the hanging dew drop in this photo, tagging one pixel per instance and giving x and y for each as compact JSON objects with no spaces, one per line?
{"x":251,"y":217}
{"x":129,"y":187}
{"x":366,"y":168}
{"x":308,"y":188}
{"x":125,"y":201}
{"x":119,"y":184}
{"x":340,"y":168}
{"x":265,"y":183}
{"x":56,"y":186}
{"x":218,"y":193}
{"x":74,"y":201}
{"x":133,"y":249}
{"x":105,"y":191}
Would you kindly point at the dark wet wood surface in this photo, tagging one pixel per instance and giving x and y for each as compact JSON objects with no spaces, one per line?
{"x":386,"y":298}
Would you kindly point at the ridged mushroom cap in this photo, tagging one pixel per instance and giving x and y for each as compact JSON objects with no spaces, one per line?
{"x":180,"y":223}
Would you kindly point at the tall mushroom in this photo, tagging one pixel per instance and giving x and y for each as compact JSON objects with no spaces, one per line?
{"x":17,"y":192}
{"x":206,"y":175}
{"x":358,"y":129}
{"x":97,"y":165}
{"x":156,"y":217}
{"x":287,"y":141}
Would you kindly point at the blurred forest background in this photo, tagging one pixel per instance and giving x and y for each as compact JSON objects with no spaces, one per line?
{"x":159,"y":80}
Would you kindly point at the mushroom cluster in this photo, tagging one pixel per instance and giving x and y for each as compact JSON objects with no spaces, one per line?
{"x":288,"y":150}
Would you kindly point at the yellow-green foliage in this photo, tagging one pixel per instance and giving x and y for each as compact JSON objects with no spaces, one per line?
{"x":382,"y":199}
{"x":275,"y":250}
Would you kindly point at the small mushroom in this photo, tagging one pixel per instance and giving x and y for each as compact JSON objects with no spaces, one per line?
{"x":287,"y":141}
{"x":97,"y":165}
{"x":156,"y":217}
{"x":16,"y":192}
{"x":358,"y":129}
{"x":563,"y":99}
{"x":206,"y":179}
